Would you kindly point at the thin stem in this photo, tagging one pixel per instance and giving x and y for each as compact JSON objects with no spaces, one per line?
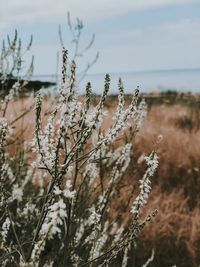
{"x":41,"y":219}
{"x":69,"y":215}
{"x":22,"y":115}
{"x":16,"y":236}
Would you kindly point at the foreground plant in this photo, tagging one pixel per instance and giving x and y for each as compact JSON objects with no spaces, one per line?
{"x":58,"y":210}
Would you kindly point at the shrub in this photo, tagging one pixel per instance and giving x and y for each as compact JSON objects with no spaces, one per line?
{"x":58,"y":194}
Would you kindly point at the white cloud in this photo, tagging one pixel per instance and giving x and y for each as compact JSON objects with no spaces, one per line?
{"x":28,"y":11}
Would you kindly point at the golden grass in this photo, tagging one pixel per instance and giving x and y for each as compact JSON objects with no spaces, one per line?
{"x":175,"y":233}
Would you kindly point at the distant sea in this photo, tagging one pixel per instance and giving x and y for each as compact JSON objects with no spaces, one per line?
{"x":183,"y":80}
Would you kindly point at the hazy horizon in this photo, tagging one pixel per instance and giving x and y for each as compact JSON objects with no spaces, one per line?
{"x":130,"y":71}
{"x":148,"y":81}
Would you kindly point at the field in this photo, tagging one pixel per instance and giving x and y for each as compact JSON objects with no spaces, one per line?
{"x":174,"y":234}
{"x":99,"y":180}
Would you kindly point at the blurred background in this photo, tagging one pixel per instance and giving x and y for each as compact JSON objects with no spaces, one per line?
{"x":153,"y":44}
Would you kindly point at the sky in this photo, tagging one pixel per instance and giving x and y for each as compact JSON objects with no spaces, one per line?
{"x":130,"y":35}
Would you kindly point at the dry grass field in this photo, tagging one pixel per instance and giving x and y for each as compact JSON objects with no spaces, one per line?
{"x":175,"y":233}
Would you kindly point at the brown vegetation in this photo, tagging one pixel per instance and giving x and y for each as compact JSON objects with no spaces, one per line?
{"x":175,"y":233}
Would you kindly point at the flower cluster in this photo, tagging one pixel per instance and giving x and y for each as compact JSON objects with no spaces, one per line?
{"x":5,"y":229}
{"x":50,"y":228}
{"x":145,"y":183}
{"x":58,"y":201}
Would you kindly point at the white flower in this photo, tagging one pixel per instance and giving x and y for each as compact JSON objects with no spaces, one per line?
{"x":57,"y":191}
{"x":94,"y":216}
{"x":17,"y":193}
{"x":67,"y":191}
{"x":99,"y":243}
{"x":57,"y":212}
{"x":79,"y":233}
{"x":28,"y":209}
{"x":5,"y":229}
{"x":145,"y":183}
{"x":142,"y":111}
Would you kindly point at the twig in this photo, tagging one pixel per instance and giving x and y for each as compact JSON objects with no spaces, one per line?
{"x":16,"y":237}
{"x":22,"y":115}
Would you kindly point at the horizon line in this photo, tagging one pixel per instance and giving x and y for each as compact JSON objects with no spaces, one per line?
{"x":125,"y":72}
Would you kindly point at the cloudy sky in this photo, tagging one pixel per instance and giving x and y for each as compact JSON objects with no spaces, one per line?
{"x":131,"y":35}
